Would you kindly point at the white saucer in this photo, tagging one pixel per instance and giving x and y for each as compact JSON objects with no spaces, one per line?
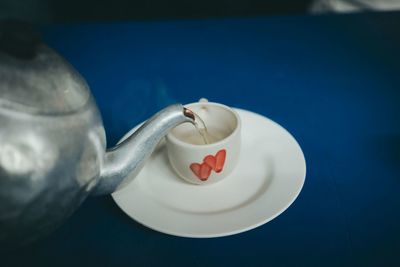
{"x":269,"y":177}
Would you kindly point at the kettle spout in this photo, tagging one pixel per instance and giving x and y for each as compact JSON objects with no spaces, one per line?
{"x":124,"y":161}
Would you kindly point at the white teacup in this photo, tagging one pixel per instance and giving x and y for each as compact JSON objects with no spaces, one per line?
{"x":200,"y":163}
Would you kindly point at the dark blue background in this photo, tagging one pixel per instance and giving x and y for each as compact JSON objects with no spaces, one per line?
{"x":332,"y":81}
{"x":108,"y":10}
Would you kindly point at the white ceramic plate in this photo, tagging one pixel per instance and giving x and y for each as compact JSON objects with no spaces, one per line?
{"x":269,"y":177}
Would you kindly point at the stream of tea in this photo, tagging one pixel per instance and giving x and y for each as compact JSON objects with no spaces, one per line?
{"x":202,"y":135}
{"x":198,"y":121}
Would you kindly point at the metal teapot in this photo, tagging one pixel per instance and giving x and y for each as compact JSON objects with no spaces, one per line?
{"x":52,"y":140}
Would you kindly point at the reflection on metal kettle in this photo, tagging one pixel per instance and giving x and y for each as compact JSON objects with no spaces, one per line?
{"x":52,"y":140}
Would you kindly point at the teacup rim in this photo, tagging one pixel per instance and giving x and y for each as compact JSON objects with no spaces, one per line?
{"x":177,"y":141}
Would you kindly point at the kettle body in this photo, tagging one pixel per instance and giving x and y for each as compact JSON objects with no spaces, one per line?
{"x":52,"y":140}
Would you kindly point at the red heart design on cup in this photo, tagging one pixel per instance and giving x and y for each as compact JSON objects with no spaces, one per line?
{"x":210,"y":162}
{"x":220,"y":160}
{"x":202,"y":171}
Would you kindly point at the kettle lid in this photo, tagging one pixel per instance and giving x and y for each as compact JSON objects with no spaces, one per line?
{"x":33,"y":77}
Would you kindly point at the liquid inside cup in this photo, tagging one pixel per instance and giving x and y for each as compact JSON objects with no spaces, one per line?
{"x":220,"y":122}
{"x":194,"y":137}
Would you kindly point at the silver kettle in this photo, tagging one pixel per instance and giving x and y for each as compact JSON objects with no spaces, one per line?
{"x":52,"y":140}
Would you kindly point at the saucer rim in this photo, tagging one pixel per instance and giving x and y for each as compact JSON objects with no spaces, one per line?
{"x":296,"y":193}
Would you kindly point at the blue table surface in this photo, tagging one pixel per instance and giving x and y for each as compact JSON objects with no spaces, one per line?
{"x":332,"y":81}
